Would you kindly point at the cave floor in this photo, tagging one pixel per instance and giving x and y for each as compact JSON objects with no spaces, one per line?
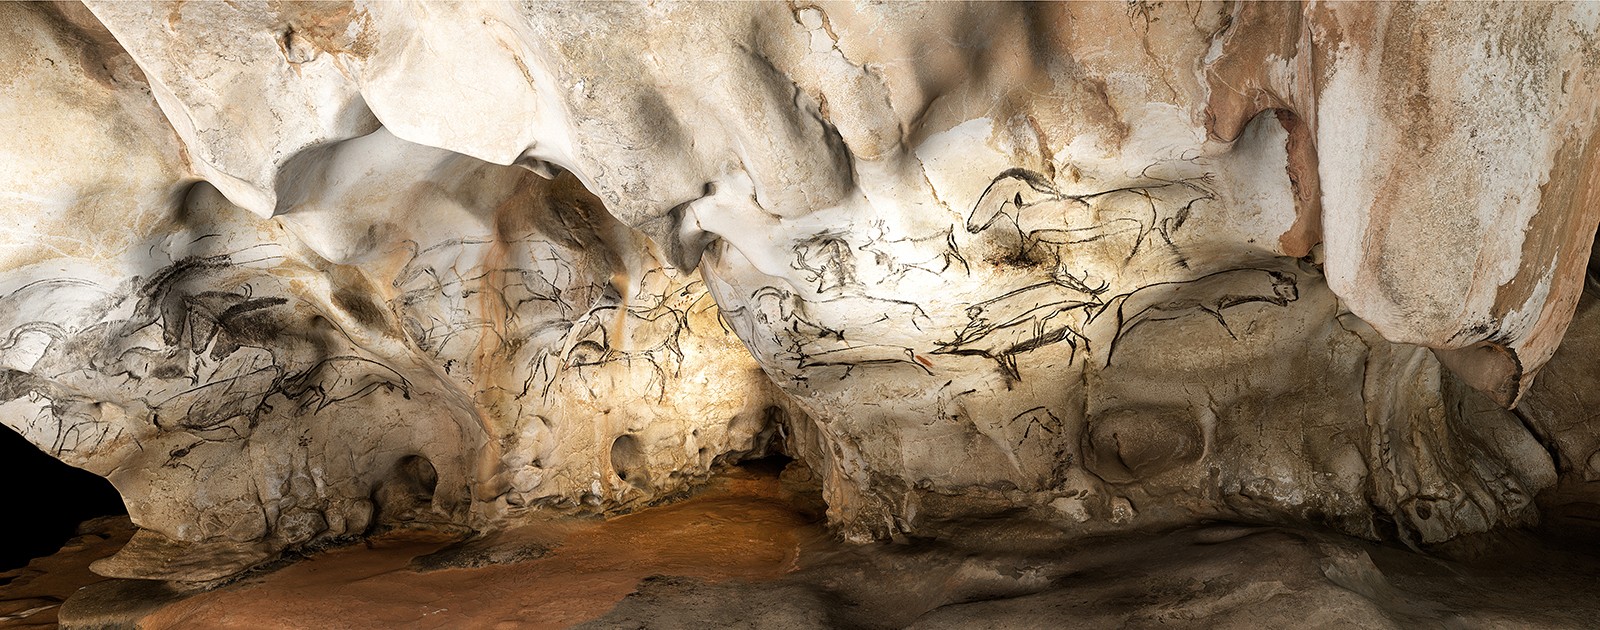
{"x":745,"y":552}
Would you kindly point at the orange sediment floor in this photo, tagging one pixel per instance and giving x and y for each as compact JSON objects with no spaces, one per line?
{"x":31,"y":596}
{"x":739,"y":528}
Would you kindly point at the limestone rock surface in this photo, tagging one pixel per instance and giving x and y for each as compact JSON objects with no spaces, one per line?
{"x":289,"y":272}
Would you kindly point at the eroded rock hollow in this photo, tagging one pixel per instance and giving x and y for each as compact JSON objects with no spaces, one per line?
{"x":288,"y":272}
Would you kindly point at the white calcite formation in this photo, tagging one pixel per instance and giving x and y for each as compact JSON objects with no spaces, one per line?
{"x":284,"y":272}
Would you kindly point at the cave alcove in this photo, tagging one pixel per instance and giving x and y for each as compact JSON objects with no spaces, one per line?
{"x":46,"y":500}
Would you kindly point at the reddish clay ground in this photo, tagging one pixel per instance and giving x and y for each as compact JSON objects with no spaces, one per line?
{"x":738,"y":528}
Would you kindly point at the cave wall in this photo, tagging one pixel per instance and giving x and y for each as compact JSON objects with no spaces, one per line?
{"x":288,"y":272}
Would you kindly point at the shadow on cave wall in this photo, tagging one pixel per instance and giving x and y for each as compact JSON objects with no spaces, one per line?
{"x":45,"y":500}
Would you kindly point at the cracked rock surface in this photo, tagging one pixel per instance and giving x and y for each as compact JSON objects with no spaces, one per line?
{"x":293,"y":273}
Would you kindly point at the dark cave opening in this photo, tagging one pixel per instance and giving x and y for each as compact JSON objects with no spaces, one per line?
{"x":1592,"y":277}
{"x":771,"y":464}
{"x":47,"y":500}
{"x":407,"y":494}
